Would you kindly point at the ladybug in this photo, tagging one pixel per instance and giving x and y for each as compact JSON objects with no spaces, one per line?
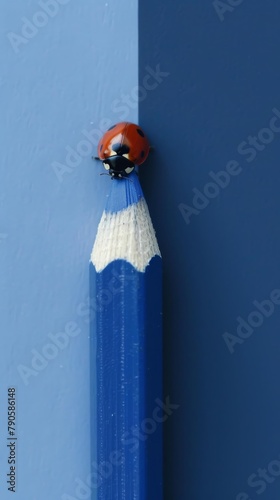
{"x":123,"y":146}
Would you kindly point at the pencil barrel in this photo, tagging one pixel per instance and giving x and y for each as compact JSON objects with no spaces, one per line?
{"x":126,"y":376}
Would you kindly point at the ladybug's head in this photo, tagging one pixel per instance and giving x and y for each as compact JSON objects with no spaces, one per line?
{"x":118,"y":163}
{"x":122,"y":147}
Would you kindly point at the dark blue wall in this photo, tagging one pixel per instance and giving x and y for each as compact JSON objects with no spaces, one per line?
{"x":221,"y":249}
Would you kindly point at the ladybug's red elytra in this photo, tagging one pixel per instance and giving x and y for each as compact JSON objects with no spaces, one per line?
{"x":123,"y":146}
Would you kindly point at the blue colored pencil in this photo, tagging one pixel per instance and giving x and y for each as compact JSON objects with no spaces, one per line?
{"x":126,"y":348}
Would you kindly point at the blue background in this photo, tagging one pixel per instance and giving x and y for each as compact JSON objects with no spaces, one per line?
{"x":64,"y":80}
{"x":222,"y":87}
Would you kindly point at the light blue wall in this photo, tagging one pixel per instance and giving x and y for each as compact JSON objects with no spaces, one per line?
{"x":68,"y":76}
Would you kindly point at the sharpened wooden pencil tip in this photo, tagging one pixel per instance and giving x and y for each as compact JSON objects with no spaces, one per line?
{"x":128,"y":235}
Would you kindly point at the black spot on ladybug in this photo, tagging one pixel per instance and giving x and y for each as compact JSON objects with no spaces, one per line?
{"x":113,"y":126}
{"x":101,"y":147}
{"x":142,"y":154}
{"x":120,"y":149}
{"x":124,"y":149}
{"x":140,"y":132}
{"x":116,"y":147}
